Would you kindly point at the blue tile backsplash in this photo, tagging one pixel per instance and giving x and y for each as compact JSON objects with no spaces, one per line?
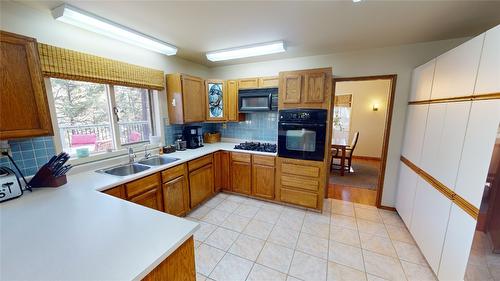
{"x":30,"y":154}
{"x":262,"y":126}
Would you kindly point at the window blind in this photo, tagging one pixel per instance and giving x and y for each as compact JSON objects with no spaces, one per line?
{"x":68,"y":64}
{"x":343,"y":100}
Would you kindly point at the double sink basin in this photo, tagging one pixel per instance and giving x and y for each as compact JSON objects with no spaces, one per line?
{"x":137,"y":167}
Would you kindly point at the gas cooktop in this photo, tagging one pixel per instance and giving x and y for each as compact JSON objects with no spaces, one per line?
{"x":257,"y":146}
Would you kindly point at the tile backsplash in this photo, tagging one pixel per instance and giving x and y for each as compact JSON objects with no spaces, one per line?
{"x":29,"y":154}
{"x":262,"y":126}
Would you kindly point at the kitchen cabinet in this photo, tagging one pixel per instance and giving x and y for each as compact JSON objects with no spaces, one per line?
{"x":451,"y":143}
{"x":305,"y":88}
{"x":429,"y":222}
{"x":456,"y":70}
{"x":241,"y":173}
{"x":416,"y":120}
{"x":457,"y":245}
{"x":186,"y":98}
{"x":489,"y":68}
{"x":263,"y":176}
{"x":406,"y":186}
{"x":201,"y":180}
{"x":477,"y":150}
{"x":146,"y":191}
{"x":216,"y":100}
{"x":300,"y":182}
{"x":232,"y":102}
{"x":432,"y":138}
{"x":221,"y":171}
{"x":259,"y":82}
{"x":176,"y":190}
{"x":24,"y":110}
{"x":118,"y":191}
{"x":421,"y":81}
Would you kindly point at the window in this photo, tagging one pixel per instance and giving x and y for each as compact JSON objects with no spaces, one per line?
{"x":100,"y":117}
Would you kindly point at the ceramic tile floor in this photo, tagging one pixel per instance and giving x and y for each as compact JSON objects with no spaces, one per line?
{"x":246,"y":239}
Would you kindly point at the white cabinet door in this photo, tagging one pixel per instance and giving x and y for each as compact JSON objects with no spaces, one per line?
{"x":456,"y":70}
{"x":421,"y":81}
{"x":432,"y":138}
{"x":414,"y":132}
{"x":407,"y":183}
{"x":478,"y":146}
{"x":451,"y":143}
{"x":488,"y":77}
{"x":430,"y":219}
{"x":457,"y":245}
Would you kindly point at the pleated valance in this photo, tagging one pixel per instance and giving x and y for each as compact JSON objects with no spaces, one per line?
{"x":68,"y":64}
{"x":343,"y":100}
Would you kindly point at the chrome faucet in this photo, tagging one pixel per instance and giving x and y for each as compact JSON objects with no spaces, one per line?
{"x":131,"y":155}
{"x":146,"y":153}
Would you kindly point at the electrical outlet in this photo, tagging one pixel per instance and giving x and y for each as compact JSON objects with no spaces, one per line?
{"x":4,"y":146}
{"x":224,"y":125}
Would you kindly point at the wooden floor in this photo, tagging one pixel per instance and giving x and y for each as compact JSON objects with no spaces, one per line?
{"x":353,"y":193}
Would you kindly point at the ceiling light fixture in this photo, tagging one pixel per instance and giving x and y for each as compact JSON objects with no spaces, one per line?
{"x":356,"y":1}
{"x":247,"y":51}
{"x":91,"y":22}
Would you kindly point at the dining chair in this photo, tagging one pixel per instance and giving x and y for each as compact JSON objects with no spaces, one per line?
{"x":349,"y":151}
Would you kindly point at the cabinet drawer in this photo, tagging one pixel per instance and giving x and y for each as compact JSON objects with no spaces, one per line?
{"x":200,"y":162}
{"x":302,"y":198}
{"x":299,"y":182}
{"x":141,"y":185}
{"x":240,"y":157}
{"x":263,"y":160}
{"x":300,"y":170}
{"x":172,"y":173}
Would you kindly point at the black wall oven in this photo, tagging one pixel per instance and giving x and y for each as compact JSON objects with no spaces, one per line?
{"x":302,"y":133}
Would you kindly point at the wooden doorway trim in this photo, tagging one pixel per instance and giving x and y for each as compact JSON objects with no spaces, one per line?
{"x":388,"y":121}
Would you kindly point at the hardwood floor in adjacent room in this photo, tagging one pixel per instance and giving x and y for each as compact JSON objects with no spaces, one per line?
{"x":358,"y":187}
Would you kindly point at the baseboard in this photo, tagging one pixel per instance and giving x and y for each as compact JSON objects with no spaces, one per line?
{"x":387,"y":208}
{"x":367,"y":158}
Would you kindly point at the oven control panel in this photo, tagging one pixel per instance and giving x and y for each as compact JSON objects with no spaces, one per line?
{"x":303,"y":115}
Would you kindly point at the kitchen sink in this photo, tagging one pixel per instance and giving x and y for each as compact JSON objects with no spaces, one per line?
{"x":158,"y":160}
{"x":124,"y":170}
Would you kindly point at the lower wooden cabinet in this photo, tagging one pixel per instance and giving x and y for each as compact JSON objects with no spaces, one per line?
{"x":151,"y":199}
{"x":118,"y":191}
{"x":263,"y":176}
{"x":201,"y":184}
{"x":221,"y":171}
{"x":146,"y":192}
{"x":241,"y":173}
{"x":176,"y":196}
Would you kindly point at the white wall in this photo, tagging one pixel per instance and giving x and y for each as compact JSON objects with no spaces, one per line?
{"x":370,"y":124}
{"x":398,"y":60}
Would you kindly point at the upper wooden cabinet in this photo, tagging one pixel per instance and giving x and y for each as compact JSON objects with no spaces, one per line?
{"x":24,"y":111}
{"x":216,"y":100}
{"x":232,"y":102}
{"x":258,"y":82}
{"x":186,"y":98}
{"x":305,"y":88}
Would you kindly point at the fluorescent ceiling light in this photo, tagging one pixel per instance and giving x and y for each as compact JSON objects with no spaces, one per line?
{"x":83,"y":19}
{"x":356,"y":1}
{"x":247,"y":51}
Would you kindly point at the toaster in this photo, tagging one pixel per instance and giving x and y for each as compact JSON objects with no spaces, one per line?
{"x":10,"y":187}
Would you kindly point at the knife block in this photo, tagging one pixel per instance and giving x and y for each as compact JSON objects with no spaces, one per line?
{"x":44,"y":178}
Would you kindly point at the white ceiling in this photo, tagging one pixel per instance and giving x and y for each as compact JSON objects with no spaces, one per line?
{"x":308,"y":27}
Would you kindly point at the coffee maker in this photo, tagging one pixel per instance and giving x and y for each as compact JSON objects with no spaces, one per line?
{"x":193,"y":136}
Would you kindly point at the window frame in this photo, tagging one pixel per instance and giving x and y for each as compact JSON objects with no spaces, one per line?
{"x":120,"y":149}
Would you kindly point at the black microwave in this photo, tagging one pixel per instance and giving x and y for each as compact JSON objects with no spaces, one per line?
{"x":253,"y":100}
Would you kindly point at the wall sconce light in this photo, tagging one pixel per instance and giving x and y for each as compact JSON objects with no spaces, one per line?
{"x":375,"y":107}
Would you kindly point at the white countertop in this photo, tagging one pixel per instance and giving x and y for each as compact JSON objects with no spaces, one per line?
{"x":74,"y":232}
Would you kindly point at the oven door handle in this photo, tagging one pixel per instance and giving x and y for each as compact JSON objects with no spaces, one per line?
{"x":302,"y":124}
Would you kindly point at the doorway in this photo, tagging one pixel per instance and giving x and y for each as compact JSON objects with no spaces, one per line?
{"x":360,"y":135}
